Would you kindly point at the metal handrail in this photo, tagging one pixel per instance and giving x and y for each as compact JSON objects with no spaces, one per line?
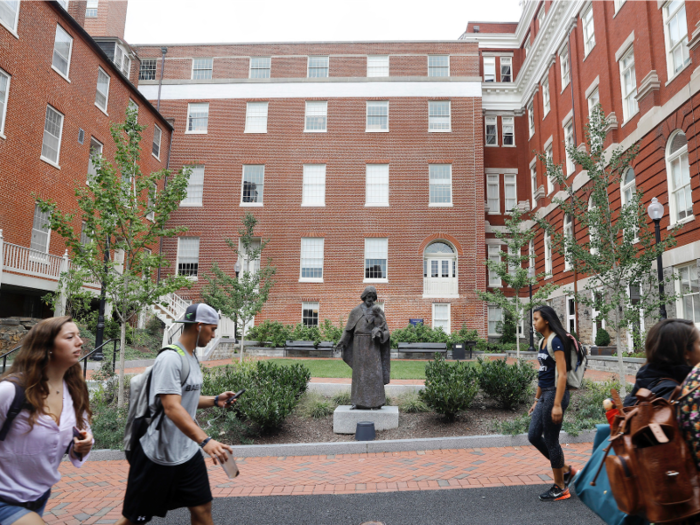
{"x":87,"y":356}
{"x":4,"y":357}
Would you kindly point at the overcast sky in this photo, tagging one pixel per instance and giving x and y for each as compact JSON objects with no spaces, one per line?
{"x":206,"y":21}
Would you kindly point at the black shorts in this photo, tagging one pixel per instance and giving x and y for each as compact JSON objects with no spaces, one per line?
{"x":153,"y":490}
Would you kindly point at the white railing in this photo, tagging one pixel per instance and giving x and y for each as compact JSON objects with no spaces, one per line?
{"x":31,"y":262}
{"x":440,"y":287}
{"x":175,"y":305}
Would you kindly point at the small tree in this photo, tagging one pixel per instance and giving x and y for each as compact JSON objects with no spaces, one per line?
{"x":621,"y":249}
{"x":245,"y":296}
{"x":510,"y":270}
{"x":121,"y":210}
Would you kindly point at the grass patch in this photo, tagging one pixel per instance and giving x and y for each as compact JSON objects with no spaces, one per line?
{"x":336,"y":368}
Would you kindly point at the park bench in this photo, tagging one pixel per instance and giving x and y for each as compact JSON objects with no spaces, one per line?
{"x":423,"y":348}
{"x":308,"y":346}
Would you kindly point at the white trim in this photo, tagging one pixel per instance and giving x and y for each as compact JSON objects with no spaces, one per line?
{"x":308,"y":64}
{"x":301,"y":258}
{"x":3,"y":117}
{"x":449,"y":317}
{"x":160,"y":140}
{"x":594,"y":85}
{"x":187,"y":122}
{"x":242,"y":203}
{"x":500,"y":171}
{"x":60,"y":139}
{"x":367,"y":103}
{"x":109,"y":81}
{"x":177,"y":257}
{"x":624,"y":47}
{"x":14,"y":32}
{"x":306,"y":200}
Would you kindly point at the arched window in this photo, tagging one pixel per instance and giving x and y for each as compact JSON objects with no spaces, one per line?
{"x":440,"y":270}
{"x":678,"y":174}
{"x":568,"y":234}
{"x":628,"y":188}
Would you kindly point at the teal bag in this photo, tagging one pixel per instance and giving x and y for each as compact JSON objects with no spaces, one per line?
{"x":600,"y":498}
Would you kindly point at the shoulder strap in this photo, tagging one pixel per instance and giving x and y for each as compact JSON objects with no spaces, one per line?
{"x":185,"y":362}
{"x":550,"y":351}
{"x":15,"y":408}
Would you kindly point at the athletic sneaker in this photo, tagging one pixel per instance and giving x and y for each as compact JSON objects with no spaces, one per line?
{"x":569,"y":476}
{"x":555,"y":494}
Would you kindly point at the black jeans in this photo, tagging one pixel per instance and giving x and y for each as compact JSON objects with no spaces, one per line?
{"x":543,"y":432}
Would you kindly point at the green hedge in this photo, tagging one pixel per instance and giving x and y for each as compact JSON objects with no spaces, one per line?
{"x":275,"y":334}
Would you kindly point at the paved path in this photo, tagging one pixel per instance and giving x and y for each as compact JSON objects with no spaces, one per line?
{"x":94,"y":493}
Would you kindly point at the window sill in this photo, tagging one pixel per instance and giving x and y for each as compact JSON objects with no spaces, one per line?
{"x":200,"y":205}
{"x":250,"y":132}
{"x":491,"y":145}
{"x":3,"y":136}
{"x":439,"y":131}
{"x":531,"y":135}
{"x":495,"y":286}
{"x":195,"y":132}
{"x":493,"y":213}
{"x":64,"y":77}
{"x":313,"y":205}
{"x":509,"y":145}
{"x":546,"y":113}
{"x":315,"y":131}
{"x":681,"y":222}
{"x":677,"y":74}
{"x":375,"y":281}
{"x":12,"y":32}
{"x":252,"y":204}
{"x":310,"y":280}
{"x":563,"y":88}
{"x":155,"y":156}
{"x":628,"y":119}
{"x":440,"y":296}
{"x":587,"y":54}
{"x":377,"y":205}
{"x":376,"y":131}
{"x":102,"y":110}
{"x":440,"y":205}
{"x":50,"y":162}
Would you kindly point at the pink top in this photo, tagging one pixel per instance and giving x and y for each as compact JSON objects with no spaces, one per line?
{"x":29,"y":460}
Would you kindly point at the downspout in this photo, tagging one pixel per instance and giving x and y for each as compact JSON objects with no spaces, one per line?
{"x":163,"y":50}
{"x":573,"y":127}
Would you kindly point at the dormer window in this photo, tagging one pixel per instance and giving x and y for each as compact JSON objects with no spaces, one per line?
{"x":122,"y":60}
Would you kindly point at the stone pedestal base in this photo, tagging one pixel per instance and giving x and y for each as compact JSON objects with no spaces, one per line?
{"x":345,"y":420}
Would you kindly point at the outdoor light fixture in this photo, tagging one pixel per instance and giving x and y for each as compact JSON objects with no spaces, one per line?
{"x":531,"y":275}
{"x":656,"y":212}
{"x":237,"y":268}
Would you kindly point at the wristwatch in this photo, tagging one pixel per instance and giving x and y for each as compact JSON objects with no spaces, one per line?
{"x":216,"y":400}
{"x":204,"y":443}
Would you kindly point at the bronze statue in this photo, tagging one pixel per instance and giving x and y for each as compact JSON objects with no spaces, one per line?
{"x":366,"y":349}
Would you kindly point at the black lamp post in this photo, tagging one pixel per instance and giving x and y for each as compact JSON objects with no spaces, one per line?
{"x":237,"y":269}
{"x":531,"y":274}
{"x":99,"y":333}
{"x":656,"y":211}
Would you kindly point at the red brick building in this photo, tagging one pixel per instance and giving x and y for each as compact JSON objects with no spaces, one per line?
{"x":59,"y":93}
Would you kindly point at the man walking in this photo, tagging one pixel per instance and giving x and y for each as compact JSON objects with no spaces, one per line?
{"x":167,"y":469}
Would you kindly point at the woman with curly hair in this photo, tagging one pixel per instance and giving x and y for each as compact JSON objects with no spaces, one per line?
{"x":54,"y":420}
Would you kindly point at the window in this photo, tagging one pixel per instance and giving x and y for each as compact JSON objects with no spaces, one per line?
{"x":157,"y":134}
{"x":676,"y":36}
{"x":531,"y":118}
{"x":545,"y":96}
{"x":440,"y":271}
{"x":593,"y":239}
{"x":531,"y":254}
{"x":256,"y":117}
{"x":147,"y":71}
{"x":253,"y":184}
{"x":439,"y":116}
{"x":494,"y":254}
{"x":378,"y":116}
{"x":550,"y":180}
{"x":491,"y":131}
{"x":533,"y":184}
{"x":593,"y":101}
{"x":568,"y":236}
{"x":690,"y":292}
{"x":506,"y":69}
{"x":202,"y":68}
{"x":489,"y":69}
{"x":102,"y":93}
{"x":439,"y":66}
{"x":309,"y":314}
{"x":565,"y":67}
{"x":312,"y":259}
{"x":9,"y":13}
{"x":259,"y":67}
{"x":314,"y":185}
{"x":548,"y":254}
{"x":122,"y":60}
{"x":678,"y":172}
{"x":494,"y":320}
{"x":628,"y":190}
{"x":493,"y":194}
{"x":4,"y":95}
{"x":197,"y":117}
{"x":628,"y":81}
{"x":509,"y":189}
{"x":151,"y":215}
{"x":508,"y":131}
{"x":318,"y":67}
{"x":95,"y":150}
{"x":53,"y":127}
{"x":377,"y":185}
{"x":569,"y":143}
{"x":378,"y":66}
{"x":188,"y":256}
{"x":588,"y":30}
{"x":440,"y":184}
{"x":526,"y":46}
{"x":195,"y":187}
{"x":40,"y":231}
{"x":62,"y":48}
{"x":316,"y":117}
{"x":618,"y":4}
{"x":84,"y":236}
{"x":376,"y":251}
{"x":513,"y":266}
{"x":441,"y":316}
{"x":91,"y":9}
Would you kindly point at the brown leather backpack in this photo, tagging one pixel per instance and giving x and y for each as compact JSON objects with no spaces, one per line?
{"x":652,"y":474}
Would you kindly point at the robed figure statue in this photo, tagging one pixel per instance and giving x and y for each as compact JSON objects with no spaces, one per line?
{"x":366,"y":349}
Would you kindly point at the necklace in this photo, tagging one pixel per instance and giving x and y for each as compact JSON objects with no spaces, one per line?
{"x":51,"y":387}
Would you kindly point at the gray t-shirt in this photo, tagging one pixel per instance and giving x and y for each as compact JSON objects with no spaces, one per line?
{"x":170,"y":446}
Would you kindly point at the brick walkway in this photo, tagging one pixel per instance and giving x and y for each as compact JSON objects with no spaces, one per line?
{"x":94,"y":493}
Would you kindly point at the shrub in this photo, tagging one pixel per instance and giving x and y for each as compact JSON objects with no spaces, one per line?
{"x":507,"y":328}
{"x":586,"y":411}
{"x":449,"y":387}
{"x":508,"y":385}
{"x":108,"y":423}
{"x":331,"y":332}
{"x":464,"y":334}
{"x":224,"y":423}
{"x":269,"y":332}
{"x":412,"y":403}
{"x":602,"y":337}
{"x":519,"y":425}
{"x":342,"y":398}
{"x":315,"y":405}
{"x":155,"y":326}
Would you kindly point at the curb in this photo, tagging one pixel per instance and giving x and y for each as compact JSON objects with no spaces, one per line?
{"x":365,"y":447}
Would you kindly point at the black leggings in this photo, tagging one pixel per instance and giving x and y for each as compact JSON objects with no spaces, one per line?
{"x":543,"y":433}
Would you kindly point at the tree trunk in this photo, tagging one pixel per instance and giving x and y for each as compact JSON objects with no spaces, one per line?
{"x":517,"y":340}
{"x":122,"y":348}
{"x":620,"y":362}
{"x":242,"y":343}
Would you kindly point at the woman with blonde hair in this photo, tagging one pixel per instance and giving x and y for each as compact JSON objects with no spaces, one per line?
{"x":54,"y":419}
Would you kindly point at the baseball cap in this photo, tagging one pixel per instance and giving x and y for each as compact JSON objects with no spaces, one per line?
{"x":200,"y":313}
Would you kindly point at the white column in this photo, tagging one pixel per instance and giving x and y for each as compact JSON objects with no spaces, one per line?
{"x":2,"y":254}
{"x":62,"y":298}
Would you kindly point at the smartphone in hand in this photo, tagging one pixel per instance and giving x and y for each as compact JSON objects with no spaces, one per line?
{"x":77,"y":433}
{"x":235,"y":396}
{"x":230,"y":466}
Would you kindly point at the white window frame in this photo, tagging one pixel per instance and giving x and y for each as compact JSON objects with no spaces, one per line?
{"x":436,"y":119}
{"x":448,"y":328}
{"x":682,"y":43}
{"x":190,"y":106}
{"x":177,"y":261}
{"x":197,"y":69}
{"x":435,"y":68}
{"x":494,"y":255}
{"x":313,"y":192}
{"x":159,"y":133}
{"x":682,"y":159}
{"x":618,"y":4}
{"x":142,"y":69}
{"x":533,"y":184}
{"x":632,"y":188}
{"x":568,"y":229}
{"x":374,"y":173}
{"x":630,"y":107}
{"x":312,"y":250}
{"x":493,"y":194}
{"x":65,"y":75}
{"x":531,"y":119}
{"x":262,"y":194}
{"x":54,"y":163}
{"x":316,"y":109}
{"x":316,"y":68}
{"x":13,"y":28}
{"x":508,"y":123}
{"x":565,"y":66}
{"x":373,"y":70}
{"x":376,"y":104}
{"x":695,"y":296}
{"x":435,"y":185}
{"x":106,"y":93}
{"x":151,"y":216}
{"x":44,"y":250}
{"x":506,"y":62}
{"x":99,"y":147}
{"x":122,"y":60}
{"x":510,"y":181}
{"x":195,"y":188}
{"x":313,"y":306}
{"x":531,"y":254}
{"x":369,"y":241}
{"x":513,"y":267}
{"x":593,"y":100}
{"x":569,"y":141}
{"x":491,"y":121}
{"x":256,"y":117}
{"x":268,"y":68}
{"x":546,"y":100}
{"x":588,"y":30}
{"x":489,"y":69}
{"x":591,"y":231}
{"x":547,"y":255}
{"x":493,"y":319}
{"x":92,"y":5}
{"x":548,"y":152}
{"x":3,"y":103}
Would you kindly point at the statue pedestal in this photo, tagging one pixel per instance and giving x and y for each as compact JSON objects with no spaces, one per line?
{"x":345,"y":420}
